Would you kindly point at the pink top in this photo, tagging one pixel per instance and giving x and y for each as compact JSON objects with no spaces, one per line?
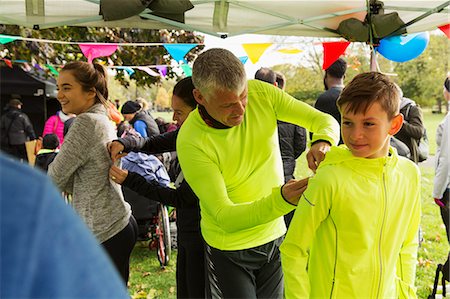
{"x":56,"y":126}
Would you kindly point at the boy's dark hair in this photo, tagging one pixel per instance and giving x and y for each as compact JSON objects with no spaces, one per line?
{"x":368,"y":88}
{"x":281,"y":80}
{"x":266,"y":75}
{"x":50,"y":141}
{"x":447,"y":84}
{"x":183,"y":89}
{"x":337,"y":69}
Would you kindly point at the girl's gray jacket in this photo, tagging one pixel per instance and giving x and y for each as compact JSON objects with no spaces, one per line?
{"x":81,"y":168}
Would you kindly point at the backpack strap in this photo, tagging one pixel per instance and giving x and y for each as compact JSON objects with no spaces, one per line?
{"x":9,"y":127}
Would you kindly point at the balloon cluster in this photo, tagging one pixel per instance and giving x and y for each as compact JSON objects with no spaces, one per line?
{"x":401,"y":48}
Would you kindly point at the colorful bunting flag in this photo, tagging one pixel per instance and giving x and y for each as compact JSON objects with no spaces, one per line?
{"x":148,"y":71}
{"x":4,"y":39}
{"x":290,"y":51}
{"x":8,"y":62}
{"x":52,"y":69}
{"x":187,"y":69}
{"x":445,"y":29}
{"x":243,"y":59}
{"x":92,"y":51}
{"x":332,"y":51}
{"x":178,"y":51}
{"x":162,"y":70}
{"x":254,"y":51}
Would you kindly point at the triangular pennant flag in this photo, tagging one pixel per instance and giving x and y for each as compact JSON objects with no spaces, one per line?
{"x":37,"y":66}
{"x":52,"y":69}
{"x":187,"y":69}
{"x":26,"y":67}
{"x":243,"y":59}
{"x":445,"y":29}
{"x":178,"y":51}
{"x":130,"y":71}
{"x":162,"y":70}
{"x":148,"y":71}
{"x":290,"y":51}
{"x":8,"y":62}
{"x":93,"y":51}
{"x":254,"y":51}
{"x":4,"y":39}
{"x":332,"y":51}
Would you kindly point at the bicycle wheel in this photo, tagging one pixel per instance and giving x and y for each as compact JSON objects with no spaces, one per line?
{"x":163,"y":235}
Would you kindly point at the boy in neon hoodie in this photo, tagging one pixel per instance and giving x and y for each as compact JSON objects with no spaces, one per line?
{"x":354,"y":233}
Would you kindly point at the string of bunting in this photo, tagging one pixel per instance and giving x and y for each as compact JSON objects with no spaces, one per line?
{"x":331,"y":51}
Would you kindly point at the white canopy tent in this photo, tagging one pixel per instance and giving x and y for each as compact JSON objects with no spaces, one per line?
{"x":316,"y":18}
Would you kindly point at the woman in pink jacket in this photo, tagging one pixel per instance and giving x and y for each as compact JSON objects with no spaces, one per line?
{"x":55,"y":125}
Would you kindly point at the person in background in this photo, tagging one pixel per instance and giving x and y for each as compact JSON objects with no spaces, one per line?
{"x":228,"y":151}
{"x":333,"y":82}
{"x":140,"y":119}
{"x":413,"y":128}
{"x":81,"y":167}
{"x":46,"y":249}
{"x":47,"y":154}
{"x":354,"y":231}
{"x":55,"y":125}
{"x":190,"y":275}
{"x":291,"y":138}
{"x":16,"y":129}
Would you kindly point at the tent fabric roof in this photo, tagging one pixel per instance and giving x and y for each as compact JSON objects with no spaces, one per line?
{"x":226,"y":17}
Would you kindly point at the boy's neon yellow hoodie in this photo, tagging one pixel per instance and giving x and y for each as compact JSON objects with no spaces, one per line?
{"x":354,"y":233}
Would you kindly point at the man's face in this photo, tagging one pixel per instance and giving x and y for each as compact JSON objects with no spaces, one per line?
{"x":225,"y":106}
{"x":368,"y":135}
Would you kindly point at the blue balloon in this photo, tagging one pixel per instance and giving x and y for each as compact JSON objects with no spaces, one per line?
{"x":401,"y":48}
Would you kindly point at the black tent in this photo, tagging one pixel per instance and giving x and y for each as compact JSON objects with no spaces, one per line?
{"x":37,"y":94}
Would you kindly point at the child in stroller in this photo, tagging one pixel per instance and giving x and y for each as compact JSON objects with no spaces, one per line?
{"x":151,"y":216}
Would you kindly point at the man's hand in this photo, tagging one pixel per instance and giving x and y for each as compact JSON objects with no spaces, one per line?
{"x":316,"y":154}
{"x":293,"y":190}
{"x":115,"y":149}
{"x":117,"y":174}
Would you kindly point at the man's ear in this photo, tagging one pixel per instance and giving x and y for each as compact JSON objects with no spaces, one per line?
{"x":198,"y":97}
{"x":396,"y":124}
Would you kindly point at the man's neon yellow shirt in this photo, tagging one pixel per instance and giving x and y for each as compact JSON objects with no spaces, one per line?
{"x":237,"y":173}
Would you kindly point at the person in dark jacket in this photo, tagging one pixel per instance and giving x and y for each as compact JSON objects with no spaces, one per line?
{"x":140,"y":119}
{"x":190,"y":259}
{"x":47,"y":154}
{"x":16,"y":129}
{"x":333,"y":81}
{"x":292,"y":138}
{"x":413,"y":128}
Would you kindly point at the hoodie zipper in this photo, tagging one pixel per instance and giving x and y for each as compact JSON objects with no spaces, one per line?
{"x":381,"y":232}
{"x":335,"y":259}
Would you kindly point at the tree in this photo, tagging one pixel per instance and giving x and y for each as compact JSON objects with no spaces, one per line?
{"x":59,"y":54}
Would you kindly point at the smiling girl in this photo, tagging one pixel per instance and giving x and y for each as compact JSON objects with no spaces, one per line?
{"x":82,"y":165}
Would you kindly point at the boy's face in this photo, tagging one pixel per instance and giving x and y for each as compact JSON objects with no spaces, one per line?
{"x":367,"y":135}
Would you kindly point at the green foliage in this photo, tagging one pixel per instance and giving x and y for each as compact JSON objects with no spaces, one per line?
{"x":421,"y":79}
{"x":147,"y":279}
{"x":59,"y":54}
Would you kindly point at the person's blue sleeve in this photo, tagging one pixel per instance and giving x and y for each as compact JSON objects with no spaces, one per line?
{"x":47,"y":251}
{"x":141,"y":128}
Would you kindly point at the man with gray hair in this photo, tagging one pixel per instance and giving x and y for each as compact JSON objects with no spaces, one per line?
{"x":228,"y":150}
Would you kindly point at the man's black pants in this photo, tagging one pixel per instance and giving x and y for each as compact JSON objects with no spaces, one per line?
{"x":248,"y":273}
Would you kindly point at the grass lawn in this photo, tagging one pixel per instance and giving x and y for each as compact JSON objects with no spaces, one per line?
{"x":147,"y":280}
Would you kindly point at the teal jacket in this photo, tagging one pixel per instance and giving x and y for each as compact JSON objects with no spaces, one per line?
{"x":354,"y":233}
